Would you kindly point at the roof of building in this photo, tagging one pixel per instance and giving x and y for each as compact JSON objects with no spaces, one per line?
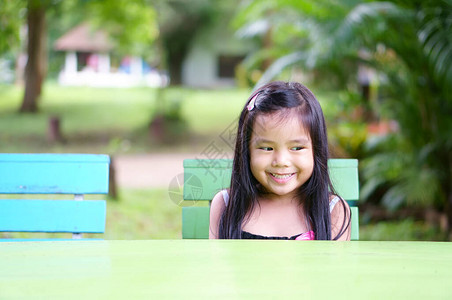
{"x":83,"y":38}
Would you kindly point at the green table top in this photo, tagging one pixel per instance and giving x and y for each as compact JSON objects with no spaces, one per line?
{"x":225,"y":269}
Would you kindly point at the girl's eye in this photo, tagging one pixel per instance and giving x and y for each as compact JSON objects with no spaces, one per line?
{"x":266,"y":148}
{"x":297,"y":148}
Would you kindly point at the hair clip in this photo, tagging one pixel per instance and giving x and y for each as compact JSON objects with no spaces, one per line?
{"x":252,"y":102}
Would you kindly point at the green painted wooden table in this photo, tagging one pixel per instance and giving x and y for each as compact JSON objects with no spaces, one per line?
{"x":225,"y":269}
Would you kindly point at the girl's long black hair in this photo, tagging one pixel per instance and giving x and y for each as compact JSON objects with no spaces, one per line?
{"x":314,"y":195}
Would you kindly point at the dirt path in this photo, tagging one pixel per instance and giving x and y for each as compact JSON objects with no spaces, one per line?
{"x":149,"y":170}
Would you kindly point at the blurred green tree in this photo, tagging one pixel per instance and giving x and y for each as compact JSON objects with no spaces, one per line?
{"x":10,"y":23}
{"x":410,"y":44}
{"x":131,"y":23}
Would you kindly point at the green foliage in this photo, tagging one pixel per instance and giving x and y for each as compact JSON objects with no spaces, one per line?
{"x":405,"y":176}
{"x":406,"y":230}
{"x":131,"y":23}
{"x":435,"y":34}
{"x":416,"y":95}
{"x":346,"y":131}
{"x":301,"y":33}
{"x":409,"y":44}
{"x":11,"y":16}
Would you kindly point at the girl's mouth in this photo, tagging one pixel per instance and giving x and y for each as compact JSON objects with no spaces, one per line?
{"x":281,"y":178}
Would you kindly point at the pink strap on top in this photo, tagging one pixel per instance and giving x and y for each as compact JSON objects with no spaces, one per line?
{"x":307,"y":236}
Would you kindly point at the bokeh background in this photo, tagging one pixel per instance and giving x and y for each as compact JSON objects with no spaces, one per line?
{"x":153,"y":82}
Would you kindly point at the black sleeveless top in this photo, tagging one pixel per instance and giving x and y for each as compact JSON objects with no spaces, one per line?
{"x":249,"y":236}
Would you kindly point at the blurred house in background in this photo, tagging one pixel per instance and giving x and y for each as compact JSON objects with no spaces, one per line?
{"x":213,"y":57}
{"x":87,"y":62}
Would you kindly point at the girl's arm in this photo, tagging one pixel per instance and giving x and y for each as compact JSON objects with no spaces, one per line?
{"x":340,"y":219}
{"x":216,"y":209}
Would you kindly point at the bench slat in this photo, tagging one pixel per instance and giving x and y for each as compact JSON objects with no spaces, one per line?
{"x":20,"y":215}
{"x":195,"y":222}
{"x":54,"y":173}
{"x":354,"y":233}
{"x":344,"y":177}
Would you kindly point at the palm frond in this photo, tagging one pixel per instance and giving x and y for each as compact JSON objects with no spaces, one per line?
{"x":365,"y":12}
{"x":279,"y":65}
{"x":435,"y":34}
{"x":253,"y":29}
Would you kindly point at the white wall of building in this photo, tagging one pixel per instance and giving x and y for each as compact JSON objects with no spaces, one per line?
{"x":201,"y":65}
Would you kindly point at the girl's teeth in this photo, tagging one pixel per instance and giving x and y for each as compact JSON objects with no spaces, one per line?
{"x":281,"y":176}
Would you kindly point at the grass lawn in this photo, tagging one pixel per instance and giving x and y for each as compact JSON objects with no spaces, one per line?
{"x":112,"y":120}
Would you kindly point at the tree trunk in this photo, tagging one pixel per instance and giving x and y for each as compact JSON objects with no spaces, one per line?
{"x":34,"y":70}
{"x":175,"y":68}
{"x":54,"y":134}
{"x":176,"y":50}
{"x":112,"y":186}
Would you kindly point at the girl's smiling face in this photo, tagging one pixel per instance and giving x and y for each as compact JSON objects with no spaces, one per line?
{"x":281,"y":154}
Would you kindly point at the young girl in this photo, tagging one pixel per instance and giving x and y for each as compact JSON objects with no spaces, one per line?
{"x":280,"y":187}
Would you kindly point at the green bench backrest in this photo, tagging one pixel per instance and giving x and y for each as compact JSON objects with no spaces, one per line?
{"x":203,"y":178}
{"x":77,"y":174}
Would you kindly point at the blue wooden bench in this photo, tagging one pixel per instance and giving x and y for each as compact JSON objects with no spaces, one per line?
{"x":49,"y":175}
{"x":203,"y":178}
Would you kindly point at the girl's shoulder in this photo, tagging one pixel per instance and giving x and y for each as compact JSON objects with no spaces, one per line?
{"x":216,"y":210}
{"x":340,"y":217}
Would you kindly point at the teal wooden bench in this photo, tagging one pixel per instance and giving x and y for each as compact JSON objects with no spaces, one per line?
{"x":203,"y":178}
{"x":49,"y":175}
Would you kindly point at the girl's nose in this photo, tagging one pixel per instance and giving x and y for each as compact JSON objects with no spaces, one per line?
{"x":280,"y":159}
